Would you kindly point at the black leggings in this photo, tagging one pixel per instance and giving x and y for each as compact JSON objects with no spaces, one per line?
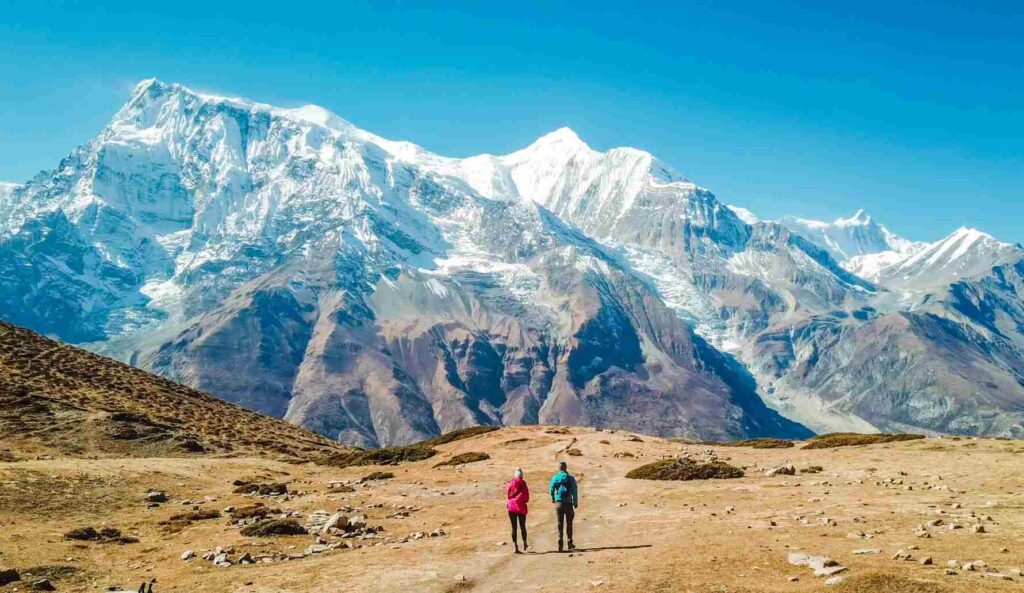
{"x":565,"y":513}
{"x":514,"y":518}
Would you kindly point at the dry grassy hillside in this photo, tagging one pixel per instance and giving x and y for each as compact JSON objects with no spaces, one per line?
{"x":59,"y":400}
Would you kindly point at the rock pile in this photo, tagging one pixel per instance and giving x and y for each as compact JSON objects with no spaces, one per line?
{"x":822,"y":566}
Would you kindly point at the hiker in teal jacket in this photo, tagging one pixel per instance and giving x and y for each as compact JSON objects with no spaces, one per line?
{"x":565,"y":495}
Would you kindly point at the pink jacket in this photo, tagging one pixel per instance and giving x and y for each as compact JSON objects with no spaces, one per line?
{"x":518,"y":494}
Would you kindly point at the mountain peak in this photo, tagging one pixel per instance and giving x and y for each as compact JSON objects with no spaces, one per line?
{"x":966,"y":231}
{"x":319,"y":116}
{"x":563,"y":138}
{"x":859,"y":218}
{"x":145,"y":84}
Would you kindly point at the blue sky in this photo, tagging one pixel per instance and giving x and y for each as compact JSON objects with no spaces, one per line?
{"x":911,"y":110}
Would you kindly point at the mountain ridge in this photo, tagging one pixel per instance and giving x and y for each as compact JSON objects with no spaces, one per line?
{"x":378,"y":293}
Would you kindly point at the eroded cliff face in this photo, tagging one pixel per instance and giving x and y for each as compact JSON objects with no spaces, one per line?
{"x":375,"y":292}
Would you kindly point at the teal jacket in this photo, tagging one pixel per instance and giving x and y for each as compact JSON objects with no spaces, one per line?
{"x":558,"y":492}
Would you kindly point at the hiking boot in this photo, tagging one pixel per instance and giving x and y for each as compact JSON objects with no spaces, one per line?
{"x":559,"y":545}
{"x":572,"y":546}
{"x":526,"y":546}
{"x":516,"y":547}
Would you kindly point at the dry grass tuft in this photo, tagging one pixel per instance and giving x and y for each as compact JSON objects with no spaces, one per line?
{"x":464,"y":458}
{"x":684,"y":470}
{"x":853,"y":439}
{"x":105,"y":535}
{"x":180,"y":521}
{"x":377,"y":476}
{"x":458,"y":435}
{"x":263,"y":489}
{"x":888,"y":583}
{"x":385,"y":456}
{"x":761,"y":443}
{"x":272,"y":527}
{"x":253,"y":511}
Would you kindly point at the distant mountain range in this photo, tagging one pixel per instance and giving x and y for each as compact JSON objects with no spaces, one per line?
{"x":378,"y":293}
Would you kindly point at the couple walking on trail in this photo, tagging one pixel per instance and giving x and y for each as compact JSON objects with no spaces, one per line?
{"x":564,"y":494}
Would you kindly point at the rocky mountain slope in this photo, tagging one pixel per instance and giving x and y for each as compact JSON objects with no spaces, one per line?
{"x":378,"y":293}
{"x":58,"y":399}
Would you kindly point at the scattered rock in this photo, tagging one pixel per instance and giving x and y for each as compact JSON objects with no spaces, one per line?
{"x":337,"y":520}
{"x":42,"y":585}
{"x":782,"y":470}
{"x":8,"y":575}
{"x":187,"y":555}
{"x":156,"y":496}
{"x":821,"y":565}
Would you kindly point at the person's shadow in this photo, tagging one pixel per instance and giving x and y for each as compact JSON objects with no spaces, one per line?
{"x":594,"y":549}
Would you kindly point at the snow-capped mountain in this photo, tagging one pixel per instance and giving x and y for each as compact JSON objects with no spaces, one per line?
{"x":965,"y":253}
{"x":845,"y":238}
{"x":379,"y":293}
{"x":286,"y":260}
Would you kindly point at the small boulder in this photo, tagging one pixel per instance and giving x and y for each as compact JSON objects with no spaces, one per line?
{"x":337,"y":520}
{"x":8,"y":575}
{"x":156,"y":496}
{"x":782,"y":470}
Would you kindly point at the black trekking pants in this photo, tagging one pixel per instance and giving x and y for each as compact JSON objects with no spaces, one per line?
{"x":519,"y":518}
{"x":565,"y":514}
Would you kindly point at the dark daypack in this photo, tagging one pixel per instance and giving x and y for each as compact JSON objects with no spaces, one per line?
{"x":563,"y":487}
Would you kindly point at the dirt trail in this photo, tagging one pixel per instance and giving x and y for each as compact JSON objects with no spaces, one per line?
{"x":602,"y":532}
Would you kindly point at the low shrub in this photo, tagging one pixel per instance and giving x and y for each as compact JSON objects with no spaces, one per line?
{"x":761,"y":443}
{"x":685,"y":470}
{"x":458,"y":435}
{"x":272,"y":527}
{"x":854,"y":439}
{"x":263,"y":489}
{"x":377,"y":476}
{"x":180,"y":521}
{"x":105,"y":535}
{"x":253,"y":511}
{"x":385,"y":456}
{"x":464,"y":458}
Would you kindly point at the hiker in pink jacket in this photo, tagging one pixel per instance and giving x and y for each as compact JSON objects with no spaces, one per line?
{"x":518,"y":494}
